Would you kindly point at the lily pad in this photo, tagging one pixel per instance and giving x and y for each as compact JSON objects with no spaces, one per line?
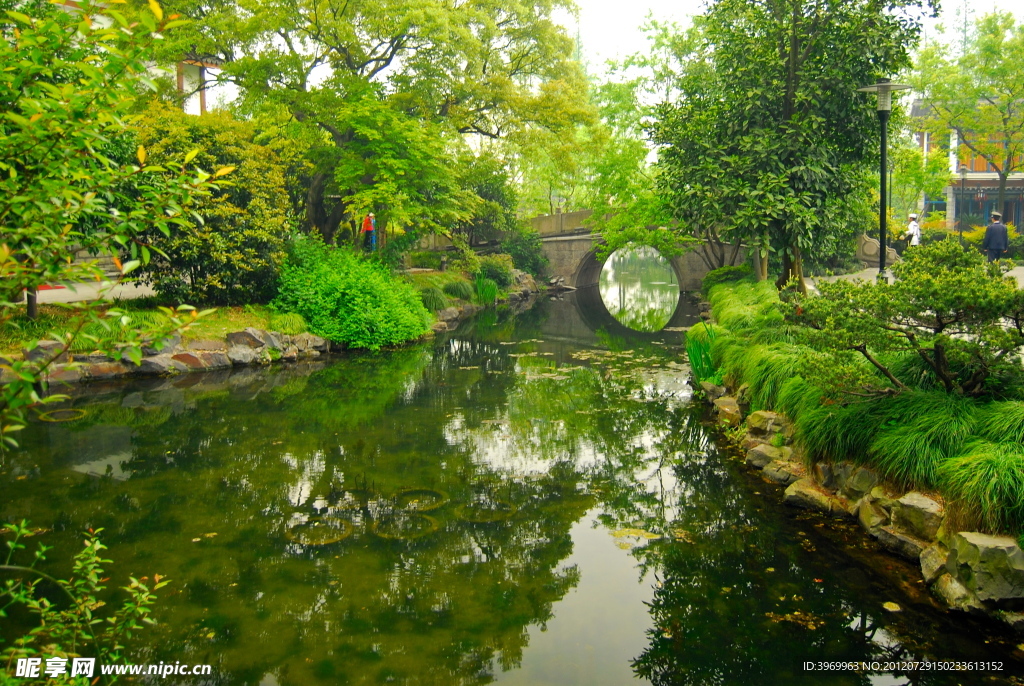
{"x":320,"y":531}
{"x":404,"y":526}
{"x":420,"y":499}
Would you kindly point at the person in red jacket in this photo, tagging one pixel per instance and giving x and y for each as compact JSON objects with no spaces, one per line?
{"x":370,"y":232}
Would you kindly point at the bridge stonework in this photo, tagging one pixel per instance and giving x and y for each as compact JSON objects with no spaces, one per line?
{"x":572,"y":253}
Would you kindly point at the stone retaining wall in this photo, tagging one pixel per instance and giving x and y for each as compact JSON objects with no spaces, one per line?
{"x":968,"y":571}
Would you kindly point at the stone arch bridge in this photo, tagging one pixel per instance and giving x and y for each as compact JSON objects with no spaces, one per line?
{"x":571,"y":250}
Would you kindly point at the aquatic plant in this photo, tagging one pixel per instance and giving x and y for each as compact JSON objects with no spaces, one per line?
{"x":698,"y":352}
{"x":486,"y":289}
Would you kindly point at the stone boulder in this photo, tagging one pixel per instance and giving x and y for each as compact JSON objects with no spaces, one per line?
{"x":728,"y":411}
{"x":250,"y":337}
{"x":64,"y":373}
{"x":858,"y":483}
{"x":808,"y":495}
{"x":207,"y":344}
{"x":933,"y":562}
{"x":242,"y":355}
{"x":103,"y":371}
{"x":167,"y":344}
{"x":711,"y":391}
{"x":991,"y":567}
{"x":900,"y":543}
{"x":290,"y":354}
{"x":784,"y":472}
{"x":917,"y":515}
{"x":161,"y":364}
{"x":956,"y":595}
{"x":199,"y":360}
{"x":46,"y":351}
{"x":761,"y":455}
{"x":524,"y":281}
{"x":872,"y":515}
{"x":448,"y":314}
{"x":765,"y":423}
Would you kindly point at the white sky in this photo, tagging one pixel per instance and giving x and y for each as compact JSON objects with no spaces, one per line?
{"x":610,"y":29}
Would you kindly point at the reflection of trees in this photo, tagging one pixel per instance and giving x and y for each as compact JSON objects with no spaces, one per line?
{"x":639,"y":288}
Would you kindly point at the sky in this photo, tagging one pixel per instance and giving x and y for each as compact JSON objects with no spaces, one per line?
{"x":610,"y":29}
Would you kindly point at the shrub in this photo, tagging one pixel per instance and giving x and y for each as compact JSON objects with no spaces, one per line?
{"x":486,"y":289}
{"x":348,"y":298}
{"x":433,"y":299}
{"x":527,"y":250}
{"x":698,"y":352}
{"x":497,"y":268}
{"x":725,"y":275}
{"x":288,"y":323}
{"x":232,"y":256}
{"x":463,"y":290}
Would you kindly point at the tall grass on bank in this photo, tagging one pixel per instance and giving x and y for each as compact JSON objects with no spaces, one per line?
{"x":986,"y":484}
{"x":698,"y":352}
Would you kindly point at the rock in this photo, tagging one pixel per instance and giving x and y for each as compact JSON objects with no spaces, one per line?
{"x":933,"y":562}
{"x":46,"y":351}
{"x":161,"y":364}
{"x":882,"y":499}
{"x":242,"y":354}
{"x":301,"y":342}
{"x":711,"y":391}
{"x":751,"y":442}
{"x":439,"y":327}
{"x":872,"y":516}
{"x":448,"y":314}
{"x":918,"y":515}
{"x":956,"y":595}
{"x":62,"y":373}
{"x":106,"y":370}
{"x":250,"y":337}
{"x":1014,"y":620}
{"x":809,"y":496}
{"x":859,"y":483}
{"x":900,"y":543}
{"x":192,"y":361}
{"x":524,"y":280}
{"x":991,"y":567}
{"x":784,"y":472}
{"x":217,"y":359}
{"x":317,"y":343}
{"x":703,"y":306}
{"x":164,"y":345}
{"x":764,"y":423}
{"x":728,"y":411}
{"x":290,"y":354}
{"x":761,"y":455}
{"x":207,"y":344}
{"x":92,"y":358}
{"x":743,"y":398}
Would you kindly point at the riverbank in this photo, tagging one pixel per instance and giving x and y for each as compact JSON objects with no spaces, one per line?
{"x":751,"y":360}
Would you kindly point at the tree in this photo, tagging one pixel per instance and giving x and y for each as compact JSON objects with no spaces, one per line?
{"x":960,"y":319}
{"x":232,"y":256}
{"x":69,"y":81}
{"x":770,"y":132}
{"x":915,"y":173}
{"x":977,"y":95}
{"x":392,"y":86}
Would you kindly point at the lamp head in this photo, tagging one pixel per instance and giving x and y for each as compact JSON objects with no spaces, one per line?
{"x":884,"y":89}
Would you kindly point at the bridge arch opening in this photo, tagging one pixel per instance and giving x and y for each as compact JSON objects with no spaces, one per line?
{"x":636,"y":285}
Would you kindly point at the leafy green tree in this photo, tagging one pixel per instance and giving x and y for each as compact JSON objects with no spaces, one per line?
{"x":770,"y":133}
{"x":231,"y":257}
{"x":949,"y":317}
{"x":392,"y":86}
{"x":69,"y":81}
{"x":488,"y":178}
{"x":914,"y":173}
{"x":977,"y":94}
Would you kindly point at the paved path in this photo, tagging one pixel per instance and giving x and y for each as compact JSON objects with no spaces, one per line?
{"x":872,"y":274}
{"x":93,"y":290}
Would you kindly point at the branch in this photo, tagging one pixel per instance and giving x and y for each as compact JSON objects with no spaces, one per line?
{"x":863,"y":350}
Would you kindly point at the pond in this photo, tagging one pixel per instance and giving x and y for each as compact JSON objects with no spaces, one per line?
{"x":526,"y":500}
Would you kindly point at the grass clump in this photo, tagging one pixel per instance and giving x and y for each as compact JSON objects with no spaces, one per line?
{"x":986,"y":484}
{"x":433,"y":299}
{"x":698,"y":351}
{"x":486,"y":289}
{"x":461,"y":289}
{"x":288,"y":323}
{"x":725,"y":275}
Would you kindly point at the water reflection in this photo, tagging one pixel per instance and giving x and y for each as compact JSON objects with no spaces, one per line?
{"x":639,"y":288}
{"x":508,"y":504}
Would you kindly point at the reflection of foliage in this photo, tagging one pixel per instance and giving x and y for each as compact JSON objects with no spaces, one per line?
{"x":639,"y":288}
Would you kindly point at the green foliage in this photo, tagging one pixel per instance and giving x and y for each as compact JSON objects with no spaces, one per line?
{"x":986,"y":483}
{"x":231,"y":256}
{"x":486,"y":289}
{"x":425,"y":259}
{"x":463,"y":290}
{"x":527,"y":250}
{"x":497,"y":268}
{"x":725,"y":275}
{"x":433,"y":299}
{"x":349,"y":299}
{"x":698,"y":352}
{"x":74,"y":625}
{"x":288,"y":323}
{"x":69,"y":82}
{"x":947,"y":306}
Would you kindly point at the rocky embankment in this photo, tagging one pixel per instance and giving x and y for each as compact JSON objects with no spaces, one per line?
{"x":969,"y":571}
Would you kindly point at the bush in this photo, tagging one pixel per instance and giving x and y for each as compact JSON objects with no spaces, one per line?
{"x":232,"y":257}
{"x":498,"y":268}
{"x":986,"y":484}
{"x":425,"y":259}
{"x":486,"y":289}
{"x":463,"y":290}
{"x":725,"y":275}
{"x":433,"y":299}
{"x":348,"y":298}
{"x":527,"y":250}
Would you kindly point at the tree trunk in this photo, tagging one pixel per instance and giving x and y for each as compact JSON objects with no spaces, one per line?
{"x":31,"y":304}
{"x":1001,"y":202}
{"x":792,"y":268}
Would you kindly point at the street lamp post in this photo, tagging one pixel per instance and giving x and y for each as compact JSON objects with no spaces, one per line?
{"x":883,"y":89}
{"x":963,"y":198}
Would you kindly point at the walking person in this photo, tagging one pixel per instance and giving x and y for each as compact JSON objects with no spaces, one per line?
{"x":996,"y":238}
{"x":370,"y":232}
{"x":913,"y":233}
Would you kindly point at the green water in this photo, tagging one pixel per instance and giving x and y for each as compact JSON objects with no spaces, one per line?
{"x":571,"y":521}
